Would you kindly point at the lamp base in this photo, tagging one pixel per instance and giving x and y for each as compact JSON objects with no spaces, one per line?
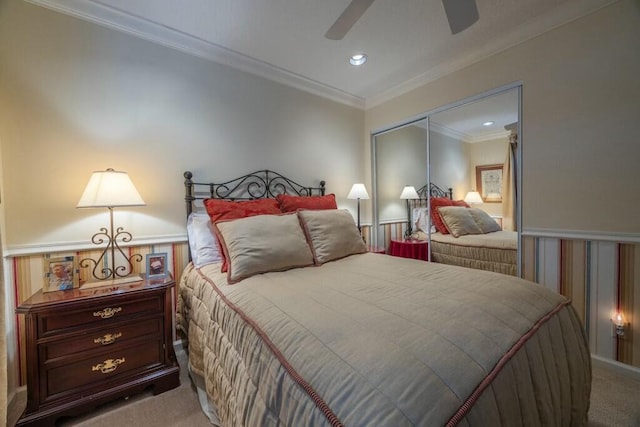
{"x":112,"y":282}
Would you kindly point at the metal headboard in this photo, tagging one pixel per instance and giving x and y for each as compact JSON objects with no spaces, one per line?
{"x":434,"y":191}
{"x":256,"y":185}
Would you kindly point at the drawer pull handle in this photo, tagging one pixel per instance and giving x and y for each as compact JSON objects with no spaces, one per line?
{"x":107,"y":338}
{"x":108,"y":365}
{"x":107,"y":312}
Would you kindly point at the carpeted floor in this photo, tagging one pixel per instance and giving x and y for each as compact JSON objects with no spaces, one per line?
{"x":615,"y":402}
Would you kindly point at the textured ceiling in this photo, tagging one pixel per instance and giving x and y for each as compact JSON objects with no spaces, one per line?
{"x":408,"y":43}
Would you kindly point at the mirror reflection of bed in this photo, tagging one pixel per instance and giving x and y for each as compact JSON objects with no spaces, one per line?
{"x":471,"y":146}
{"x":462,"y":234}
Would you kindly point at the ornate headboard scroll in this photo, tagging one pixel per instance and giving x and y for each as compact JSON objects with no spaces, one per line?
{"x":434,"y":191}
{"x":256,"y":185}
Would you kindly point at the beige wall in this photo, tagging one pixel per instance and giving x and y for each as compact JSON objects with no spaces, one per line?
{"x":449,"y":162}
{"x":77,"y":97}
{"x":581,"y":105}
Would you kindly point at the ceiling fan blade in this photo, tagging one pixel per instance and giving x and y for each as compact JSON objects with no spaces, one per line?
{"x":351,"y":14}
{"x":461,"y":14}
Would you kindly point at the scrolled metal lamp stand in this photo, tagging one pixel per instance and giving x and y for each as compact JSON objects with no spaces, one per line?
{"x":111,"y":239}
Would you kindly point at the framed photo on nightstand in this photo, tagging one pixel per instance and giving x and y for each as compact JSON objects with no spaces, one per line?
{"x":157,"y":265}
{"x":60,"y":273}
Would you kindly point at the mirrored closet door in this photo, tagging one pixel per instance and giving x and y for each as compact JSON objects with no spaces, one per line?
{"x":462,"y":155}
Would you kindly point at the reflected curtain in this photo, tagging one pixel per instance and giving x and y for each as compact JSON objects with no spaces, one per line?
{"x":509,"y":187}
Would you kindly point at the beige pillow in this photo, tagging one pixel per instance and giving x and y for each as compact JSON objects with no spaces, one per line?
{"x":263,"y":243}
{"x":332,"y":234}
{"x":458,"y":220}
{"x":484,"y":221}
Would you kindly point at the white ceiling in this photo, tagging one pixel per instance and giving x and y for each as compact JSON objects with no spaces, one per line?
{"x":466,"y":121}
{"x":408,"y":42}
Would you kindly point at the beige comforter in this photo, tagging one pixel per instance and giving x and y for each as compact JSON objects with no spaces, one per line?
{"x":375,"y":340}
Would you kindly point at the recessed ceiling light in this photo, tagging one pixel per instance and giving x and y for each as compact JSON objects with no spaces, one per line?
{"x":358,"y":59}
{"x":489,"y":123}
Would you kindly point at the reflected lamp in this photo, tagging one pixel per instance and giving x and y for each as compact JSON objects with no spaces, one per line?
{"x":358,"y":191}
{"x":473,"y":198}
{"x":409,"y":193}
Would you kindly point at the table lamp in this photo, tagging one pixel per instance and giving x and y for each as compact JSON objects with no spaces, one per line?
{"x":110,"y":189}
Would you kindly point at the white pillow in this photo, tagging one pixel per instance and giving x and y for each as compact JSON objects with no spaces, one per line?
{"x":421,"y":219}
{"x":202,"y":240}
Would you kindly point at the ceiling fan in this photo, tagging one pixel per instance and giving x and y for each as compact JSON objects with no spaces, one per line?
{"x":460,"y":13}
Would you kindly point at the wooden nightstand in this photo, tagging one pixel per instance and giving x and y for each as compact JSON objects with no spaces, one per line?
{"x":85,"y":347}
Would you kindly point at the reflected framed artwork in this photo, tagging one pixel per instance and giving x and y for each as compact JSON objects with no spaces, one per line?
{"x":489,"y":183}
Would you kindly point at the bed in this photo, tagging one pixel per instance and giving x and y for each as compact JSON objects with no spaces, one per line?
{"x":454,"y":242}
{"x":348,"y":337}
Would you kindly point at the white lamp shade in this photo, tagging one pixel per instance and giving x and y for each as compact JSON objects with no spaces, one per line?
{"x":409,"y":192}
{"x":358,"y":191}
{"x":110,"y":189}
{"x":473,"y":198}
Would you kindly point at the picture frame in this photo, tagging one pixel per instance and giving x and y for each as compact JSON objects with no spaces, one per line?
{"x":157,"y":265}
{"x":61,"y":273}
{"x":489,"y":182}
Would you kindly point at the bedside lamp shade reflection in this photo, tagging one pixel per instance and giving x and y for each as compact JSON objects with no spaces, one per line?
{"x":473,"y":198}
{"x":110,"y":189}
{"x":358,"y":191}
{"x":409,"y":193}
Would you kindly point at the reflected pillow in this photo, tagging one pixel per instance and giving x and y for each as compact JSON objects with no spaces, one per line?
{"x":202,"y":240}
{"x":484,"y":220}
{"x":436,"y":202}
{"x":289,"y":203}
{"x":263,"y":243}
{"x":332,"y":234}
{"x":459,"y":221}
{"x":460,"y":203}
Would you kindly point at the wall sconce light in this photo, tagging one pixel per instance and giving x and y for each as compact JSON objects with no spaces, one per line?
{"x":618,"y":323}
{"x":358,"y":191}
{"x":409,"y":193}
{"x":109,"y":189}
{"x":473,"y":198}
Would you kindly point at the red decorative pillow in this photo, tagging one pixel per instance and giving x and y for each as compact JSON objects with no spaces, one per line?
{"x":228,"y":209}
{"x":293,"y":203}
{"x":219,"y":210}
{"x":460,"y":203}
{"x":435,"y":216}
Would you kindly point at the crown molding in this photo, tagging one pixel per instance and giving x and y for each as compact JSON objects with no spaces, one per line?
{"x":96,"y":12}
{"x":109,"y":17}
{"x":465,"y":137}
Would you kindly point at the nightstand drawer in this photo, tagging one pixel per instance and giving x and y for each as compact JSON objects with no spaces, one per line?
{"x":101,"y":338}
{"x":104,"y":368}
{"x":54,"y":323}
